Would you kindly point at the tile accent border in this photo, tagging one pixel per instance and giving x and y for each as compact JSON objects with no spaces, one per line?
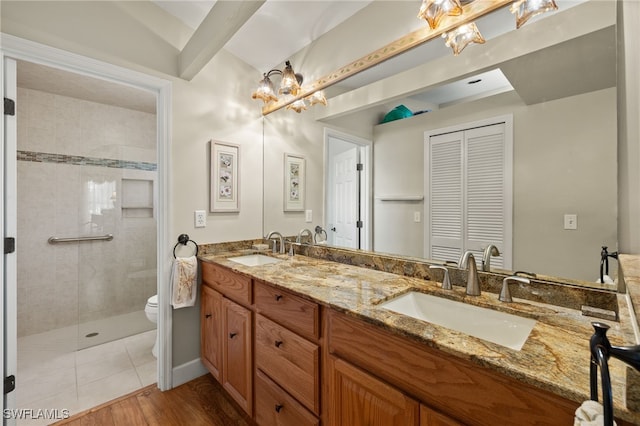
{"x":77,"y":160}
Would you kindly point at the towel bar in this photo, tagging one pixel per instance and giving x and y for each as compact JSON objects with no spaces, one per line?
{"x":184,"y":239}
{"x":57,"y":240}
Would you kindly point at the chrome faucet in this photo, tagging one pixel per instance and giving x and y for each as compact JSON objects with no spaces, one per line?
{"x":505,"y":294}
{"x":301,"y":233}
{"x":467,"y":261}
{"x":491,"y":250}
{"x":280,"y":238}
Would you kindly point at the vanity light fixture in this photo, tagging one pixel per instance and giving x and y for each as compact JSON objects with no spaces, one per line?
{"x":462,"y":36}
{"x":526,"y":9}
{"x":290,"y":85}
{"x":433,"y":11}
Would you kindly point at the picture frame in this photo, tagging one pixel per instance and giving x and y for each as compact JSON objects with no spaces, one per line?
{"x":294,"y":182}
{"x":225,"y":185}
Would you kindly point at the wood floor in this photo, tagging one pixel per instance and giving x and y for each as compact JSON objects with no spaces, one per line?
{"x":199,"y":402}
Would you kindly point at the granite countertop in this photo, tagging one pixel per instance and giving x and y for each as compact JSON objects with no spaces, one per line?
{"x":555,"y":357}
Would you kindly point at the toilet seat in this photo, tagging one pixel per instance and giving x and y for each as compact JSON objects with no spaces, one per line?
{"x":153,"y":301}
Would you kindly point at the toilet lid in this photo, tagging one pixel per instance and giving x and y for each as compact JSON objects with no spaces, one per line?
{"x":153,"y":300}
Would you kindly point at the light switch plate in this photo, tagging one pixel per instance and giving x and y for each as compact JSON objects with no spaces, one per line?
{"x":416,"y":216}
{"x":200,"y":219}
{"x":570,"y":221}
{"x":308,"y":216}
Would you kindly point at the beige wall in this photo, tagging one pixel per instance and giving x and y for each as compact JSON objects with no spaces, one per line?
{"x":629,"y":125}
{"x":564,"y":162}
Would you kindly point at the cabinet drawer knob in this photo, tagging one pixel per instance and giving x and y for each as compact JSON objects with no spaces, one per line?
{"x":207,"y":316}
{"x":278,"y":297}
{"x":278,"y":343}
{"x":232,"y":335}
{"x":279,"y":407}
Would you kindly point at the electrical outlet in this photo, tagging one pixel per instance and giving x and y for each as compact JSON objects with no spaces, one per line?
{"x":200,"y":219}
{"x":416,"y":216}
{"x":308,"y":216}
{"x":570,"y":221}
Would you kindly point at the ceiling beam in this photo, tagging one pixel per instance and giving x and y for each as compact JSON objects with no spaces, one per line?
{"x":220,"y":24}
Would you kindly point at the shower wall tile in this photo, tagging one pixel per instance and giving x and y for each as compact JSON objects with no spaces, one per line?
{"x":59,"y":285}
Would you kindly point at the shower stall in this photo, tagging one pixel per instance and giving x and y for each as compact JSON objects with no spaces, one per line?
{"x":87,"y":191}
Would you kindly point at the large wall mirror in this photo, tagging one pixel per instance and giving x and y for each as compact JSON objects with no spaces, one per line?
{"x":562,"y":99}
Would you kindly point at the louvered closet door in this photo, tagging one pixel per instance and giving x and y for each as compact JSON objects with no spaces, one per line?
{"x":485,"y":191}
{"x":469,"y":200}
{"x":446,"y":196}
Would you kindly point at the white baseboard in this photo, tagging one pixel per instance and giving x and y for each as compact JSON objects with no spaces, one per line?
{"x":188,"y":371}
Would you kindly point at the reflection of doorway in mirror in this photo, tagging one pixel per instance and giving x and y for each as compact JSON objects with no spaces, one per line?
{"x":347,"y":188}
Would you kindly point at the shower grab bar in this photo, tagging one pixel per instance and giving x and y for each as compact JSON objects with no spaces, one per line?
{"x":56,"y":240}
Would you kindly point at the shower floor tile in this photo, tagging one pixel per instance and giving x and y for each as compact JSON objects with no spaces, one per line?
{"x":49,"y":378}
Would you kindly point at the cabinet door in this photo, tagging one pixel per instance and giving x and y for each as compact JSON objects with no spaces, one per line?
{"x":360,"y":399}
{"x":428,"y":417}
{"x":211,"y":330}
{"x":237,"y":377}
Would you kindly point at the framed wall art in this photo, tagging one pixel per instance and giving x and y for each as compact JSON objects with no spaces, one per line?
{"x":225,"y":188}
{"x":294,"y":182}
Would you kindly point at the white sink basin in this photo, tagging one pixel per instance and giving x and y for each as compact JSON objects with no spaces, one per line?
{"x":497,"y":327}
{"x":254,"y":259}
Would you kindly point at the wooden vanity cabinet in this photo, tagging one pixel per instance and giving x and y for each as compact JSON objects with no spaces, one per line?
{"x":455,"y":388}
{"x":287,"y":357}
{"x":360,"y":399}
{"x":211,"y":331}
{"x":226,"y":331}
{"x":237,"y":370}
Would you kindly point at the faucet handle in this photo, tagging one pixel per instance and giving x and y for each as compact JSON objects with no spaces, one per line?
{"x":446,"y":282}
{"x":505,"y":294}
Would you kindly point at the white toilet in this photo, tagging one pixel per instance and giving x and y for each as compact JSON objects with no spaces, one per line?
{"x":151,"y":310}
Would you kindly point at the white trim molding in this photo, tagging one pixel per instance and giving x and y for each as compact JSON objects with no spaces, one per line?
{"x":188,"y":371}
{"x":30,"y":51}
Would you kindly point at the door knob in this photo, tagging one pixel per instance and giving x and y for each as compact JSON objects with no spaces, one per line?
{"x":232,"y":335}
{"x":333,"y":229}
{"x":207,"y":316}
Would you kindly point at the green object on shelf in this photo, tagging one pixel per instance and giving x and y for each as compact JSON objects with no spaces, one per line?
{"x":397,"y":113}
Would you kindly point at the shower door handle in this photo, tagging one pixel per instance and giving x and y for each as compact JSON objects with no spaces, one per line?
{"x":57,"y":240}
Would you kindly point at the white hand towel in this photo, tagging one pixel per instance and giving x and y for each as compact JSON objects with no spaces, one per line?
{"x":607,"y":280}
{"x":184,"y":281}
{"x":590,"y":413}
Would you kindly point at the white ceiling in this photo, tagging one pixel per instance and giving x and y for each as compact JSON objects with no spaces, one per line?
{"x":263,"y":41}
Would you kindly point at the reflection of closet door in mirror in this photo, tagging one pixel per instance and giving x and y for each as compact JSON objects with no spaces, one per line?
{"x":469,"y":201}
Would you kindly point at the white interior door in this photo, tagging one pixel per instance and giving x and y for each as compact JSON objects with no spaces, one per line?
{"x":343,"y":230}
{"x":8,"y":175}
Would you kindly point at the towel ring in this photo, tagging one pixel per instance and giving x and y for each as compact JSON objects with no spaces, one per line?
{"x":184,"y":239}
{"x":319,"y":231}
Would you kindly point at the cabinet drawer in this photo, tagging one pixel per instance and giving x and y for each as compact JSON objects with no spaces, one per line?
{"x":275,"y":407}
{"x":233,"y":285}
{"x":290,"y":360}
{"x":295,"y":313}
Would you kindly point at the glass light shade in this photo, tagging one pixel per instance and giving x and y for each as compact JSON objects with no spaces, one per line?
{"x":265,"y":91}
{"x":298,"y":106}
{"x":317,"y":98}
{"x":289,"y":84}
{"x":462,"y":36}
{"x":527,"y":9}
{"x":433,"y":11}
